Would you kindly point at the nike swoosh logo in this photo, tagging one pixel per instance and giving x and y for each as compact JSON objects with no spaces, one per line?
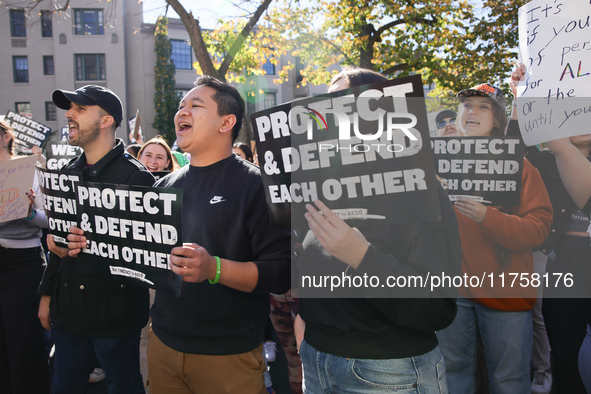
{"x":216,"y":199}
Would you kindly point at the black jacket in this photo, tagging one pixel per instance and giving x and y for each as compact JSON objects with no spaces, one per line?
{"x":86,"y":304}
{"x":562,"y":203}
{"x":379,"y":321}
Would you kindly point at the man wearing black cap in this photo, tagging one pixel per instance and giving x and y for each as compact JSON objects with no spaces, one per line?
{"x":446,"y":123}
{"x":92,"y":315}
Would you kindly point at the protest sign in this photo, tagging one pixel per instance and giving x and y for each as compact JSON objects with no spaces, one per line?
{"x":554,"y":101}
{"x":59,"y":153}
{"x":485,"y":169}
{"x":16,"y":178}
{"x":363,"y":151}
{"x":159,"y":174}
{"x":27,"y":132}
{"x":135,"y":127}
{"x":65,"y":133}
{"x":131,"y":231}
{"x":59,"y":201}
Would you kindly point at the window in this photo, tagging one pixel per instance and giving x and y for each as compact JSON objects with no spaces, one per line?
{"x":50,"y":113}
{"x":88,"y":22}
{"x":269,"y":67}
{"x":46,"y":24}
{"x":181,"y":55}
{"x":24,"y":107}
{"x":270,"y":100}
{"x":180,"y":93}
{"x":17,"y":23}
{"x":48,"y":65}
{"x":299,"y":67}
{"x":250,"y":104}
{"x":20,"y":66}
{"x":90,"y":67}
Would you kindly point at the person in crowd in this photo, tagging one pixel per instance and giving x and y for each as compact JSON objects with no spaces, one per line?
{"x":24,"y":346}
{"x":92,"y":317}
{"x":446,"y":123}
{"x":575,"y":171}
{"x":231,"y":259}
{"x":156,"y":155}
{"x":133,"y":149}
{"x":495,"y":240}
{"x":243,"y":151}
{"x":569,"y":240}
{"x":371,"y":344}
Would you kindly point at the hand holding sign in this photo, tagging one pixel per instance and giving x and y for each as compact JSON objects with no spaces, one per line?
{"x":337,"y":237}
{"x":76,"y":241}
{"x":193,"y":263}
{"x":53,"y":248}
{"x":471,"y":209}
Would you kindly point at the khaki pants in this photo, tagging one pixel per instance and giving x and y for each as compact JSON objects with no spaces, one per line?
{"x":172,"y":372}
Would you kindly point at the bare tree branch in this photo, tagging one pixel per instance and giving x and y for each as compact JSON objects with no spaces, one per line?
{"x":393,"y":69}
{"x":199,"y":47}
{"x":237,"y":45}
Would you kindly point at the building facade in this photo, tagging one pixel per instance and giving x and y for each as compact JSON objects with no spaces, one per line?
{"x":105,"y":43}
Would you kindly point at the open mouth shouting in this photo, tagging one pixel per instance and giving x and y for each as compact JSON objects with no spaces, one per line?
{"x":72,"y":129}
{"x":183,"y":126}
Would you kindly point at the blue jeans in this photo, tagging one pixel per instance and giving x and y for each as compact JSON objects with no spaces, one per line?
{"x":76,"y":356}
{"x":507,"y":339}
{"x":326,"y":373}
{"x":585,"y":360}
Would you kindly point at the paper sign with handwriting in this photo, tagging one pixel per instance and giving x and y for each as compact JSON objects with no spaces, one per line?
{"x":554,"y":101}
{"x":16,"y":178}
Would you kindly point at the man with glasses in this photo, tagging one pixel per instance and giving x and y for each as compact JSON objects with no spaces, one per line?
{"x":446,"y":123}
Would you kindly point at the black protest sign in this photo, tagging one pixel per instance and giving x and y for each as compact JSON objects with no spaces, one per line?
{"x":131,"y":231}
{"x":59,"y":153}
{"x":485,"y":169}
{"x":363,"y":151}
{"x":27,"y":132}
{"x":160,"y":174}
{"x":59,"y":201}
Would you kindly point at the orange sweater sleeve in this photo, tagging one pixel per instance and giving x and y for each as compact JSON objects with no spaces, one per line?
{"x":529,"y":224}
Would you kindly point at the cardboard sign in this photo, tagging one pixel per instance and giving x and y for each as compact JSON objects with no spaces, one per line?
{"x":363,"y":151}
{"x":59,"y":201}
{"x":27,"y":132}
{"x":485,"y":169}
{"x":131,"y":231}
{"x":59,"y":153}
{"x":554,"y":101}
{"x":16,"y":178}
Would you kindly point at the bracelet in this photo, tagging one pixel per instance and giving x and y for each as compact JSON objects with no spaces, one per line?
{"x":515,"y":103}
{"x":218,"y":270}
{"x":33,"y":214}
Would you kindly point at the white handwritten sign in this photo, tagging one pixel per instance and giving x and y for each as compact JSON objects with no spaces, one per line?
{"x":554,"y":101}
{"x":16,"y":178}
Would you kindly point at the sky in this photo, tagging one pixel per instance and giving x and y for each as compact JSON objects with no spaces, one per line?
{"x":207,"y":11}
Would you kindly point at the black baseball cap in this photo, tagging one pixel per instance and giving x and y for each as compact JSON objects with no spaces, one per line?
{"x":91,"y":95}
{"x":485,"y":90}
{"x":446,"y":113}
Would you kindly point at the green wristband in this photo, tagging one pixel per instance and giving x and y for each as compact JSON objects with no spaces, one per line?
{"x":218,"y":270}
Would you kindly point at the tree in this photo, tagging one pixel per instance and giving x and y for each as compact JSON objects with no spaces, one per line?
{"x":217,"y":56}
{"x":450,"y":42}
{"x":165,"y":98}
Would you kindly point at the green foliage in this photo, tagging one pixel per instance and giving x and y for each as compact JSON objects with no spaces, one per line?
{"x":165,"y":99}
{"x":454,"y":44}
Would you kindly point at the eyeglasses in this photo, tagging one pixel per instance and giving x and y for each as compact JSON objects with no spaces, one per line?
{"x":444,"y":123}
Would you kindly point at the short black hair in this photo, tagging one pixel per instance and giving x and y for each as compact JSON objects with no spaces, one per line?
{"x":228,"y":100}
{"x":246,"y":149}
{"x":357,"y":76}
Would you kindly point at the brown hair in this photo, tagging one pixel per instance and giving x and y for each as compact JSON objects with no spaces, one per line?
{"x":159,"y":140}
{"x":6,"y":129}
{"x":499,"y":116}
{"x":357,"y":76}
